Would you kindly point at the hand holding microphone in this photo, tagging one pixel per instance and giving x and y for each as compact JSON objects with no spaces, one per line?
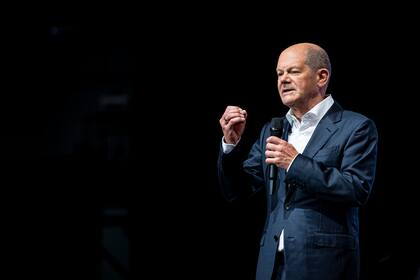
{"x":278,"y":152}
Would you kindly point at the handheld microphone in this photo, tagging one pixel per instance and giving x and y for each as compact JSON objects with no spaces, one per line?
{"x":275,"y":130}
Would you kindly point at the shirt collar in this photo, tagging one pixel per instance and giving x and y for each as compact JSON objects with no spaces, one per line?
{"x":315,"y":114}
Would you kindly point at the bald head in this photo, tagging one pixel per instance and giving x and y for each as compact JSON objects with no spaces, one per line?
{"x":316,"y":57}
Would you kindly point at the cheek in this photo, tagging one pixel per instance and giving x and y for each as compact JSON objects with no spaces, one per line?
{"x":304,"y":86}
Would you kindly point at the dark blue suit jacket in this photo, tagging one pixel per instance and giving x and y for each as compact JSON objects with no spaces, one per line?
{"x":316,"y":202}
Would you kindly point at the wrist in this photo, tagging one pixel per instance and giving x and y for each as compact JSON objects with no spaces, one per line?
{"x":230,"y":140}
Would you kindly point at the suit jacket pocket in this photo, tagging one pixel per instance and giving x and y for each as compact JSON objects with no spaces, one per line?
{"x":334,"y":240}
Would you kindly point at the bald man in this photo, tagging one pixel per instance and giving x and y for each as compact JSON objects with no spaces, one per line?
{"x":326,"y":162}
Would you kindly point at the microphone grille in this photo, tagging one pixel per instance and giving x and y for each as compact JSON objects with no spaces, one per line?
{"x":277,"y":123}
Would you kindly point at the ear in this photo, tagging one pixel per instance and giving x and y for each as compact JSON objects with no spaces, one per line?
{"x":323,"y":75}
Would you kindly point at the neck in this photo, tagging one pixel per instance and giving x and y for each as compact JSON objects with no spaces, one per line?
{"x":301,"y":109}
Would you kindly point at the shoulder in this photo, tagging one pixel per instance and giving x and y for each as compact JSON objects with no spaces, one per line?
{"x":338,"y":113}
{"x":355,"y":117}
{"x":354,"y":120}
{"x":347,"y":118}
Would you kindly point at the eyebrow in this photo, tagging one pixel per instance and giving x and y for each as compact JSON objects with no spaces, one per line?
{"x":288,"y":68}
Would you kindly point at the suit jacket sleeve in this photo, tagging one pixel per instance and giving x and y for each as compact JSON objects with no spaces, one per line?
{"x":240,"y":173}
{"x":352,"y":180}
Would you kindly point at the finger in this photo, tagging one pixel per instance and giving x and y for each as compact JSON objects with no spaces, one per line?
{"x":234,"y":121}
{"x":229,"y":116}
{"x":233,"y":108}
{"x":272,"y":154}
{"x":237,"y":110}
{"x":271,"y":147}
{"x":272,"y":161}
{"x":275,"y":147}
{"x":275,"y":140}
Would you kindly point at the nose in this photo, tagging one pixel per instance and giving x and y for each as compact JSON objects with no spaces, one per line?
{"x":282,"y":78}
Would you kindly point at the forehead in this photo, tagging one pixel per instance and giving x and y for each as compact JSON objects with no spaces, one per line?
{"x":291,"y":58}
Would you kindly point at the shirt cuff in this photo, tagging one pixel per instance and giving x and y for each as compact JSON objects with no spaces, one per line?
{"x":227,"y":148}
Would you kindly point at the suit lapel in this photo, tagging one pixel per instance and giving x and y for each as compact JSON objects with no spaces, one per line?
{"x":325,"y":129}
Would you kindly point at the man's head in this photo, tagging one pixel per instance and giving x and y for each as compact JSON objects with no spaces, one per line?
{"x":303,"y":72}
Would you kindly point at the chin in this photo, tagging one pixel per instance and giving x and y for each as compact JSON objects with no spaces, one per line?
{"x":288,"y":101}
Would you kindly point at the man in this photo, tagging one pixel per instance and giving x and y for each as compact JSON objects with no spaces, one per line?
{"x":326,"y":161}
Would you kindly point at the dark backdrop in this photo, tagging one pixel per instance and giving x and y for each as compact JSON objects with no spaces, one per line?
{"x":121,"y":108}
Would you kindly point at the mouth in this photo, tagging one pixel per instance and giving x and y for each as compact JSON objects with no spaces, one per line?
{"x":287,"y":91}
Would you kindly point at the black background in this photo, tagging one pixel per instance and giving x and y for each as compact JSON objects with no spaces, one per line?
{"x":181,"y":65}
